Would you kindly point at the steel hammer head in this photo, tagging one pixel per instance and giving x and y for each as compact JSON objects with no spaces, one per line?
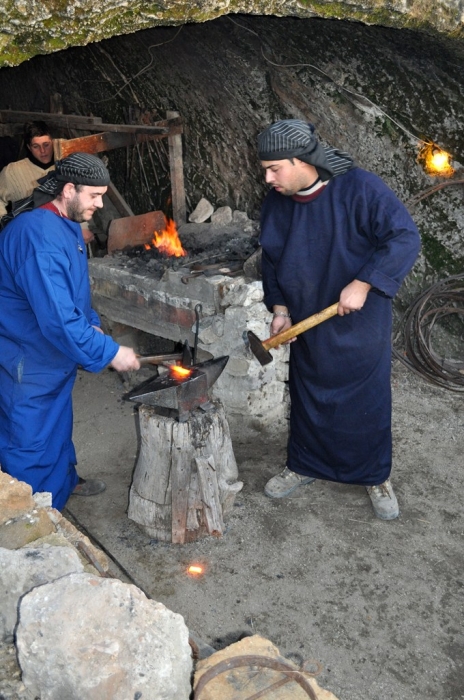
{"x":258,"y":350}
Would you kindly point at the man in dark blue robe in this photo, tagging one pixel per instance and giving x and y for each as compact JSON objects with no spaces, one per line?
{"x":332,"y":232}
{"x":48,"y":328}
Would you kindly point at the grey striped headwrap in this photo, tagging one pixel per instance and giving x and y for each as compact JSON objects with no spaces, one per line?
{"x":294,"y":138}
{"x":78,"y":168}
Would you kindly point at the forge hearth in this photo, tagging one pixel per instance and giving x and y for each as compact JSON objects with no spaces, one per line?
{"x":127,"y":292}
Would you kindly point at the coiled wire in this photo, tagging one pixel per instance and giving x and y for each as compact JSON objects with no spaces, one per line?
{"x":413,"y":342}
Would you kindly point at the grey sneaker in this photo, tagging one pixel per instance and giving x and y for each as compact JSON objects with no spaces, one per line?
{"x":384,"y":501}
{"x":285,"y":483}
{"x":89,"y":487}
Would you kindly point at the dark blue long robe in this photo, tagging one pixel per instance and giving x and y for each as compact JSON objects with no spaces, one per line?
{"x":356,"y":228}
{"x":45,"y":333}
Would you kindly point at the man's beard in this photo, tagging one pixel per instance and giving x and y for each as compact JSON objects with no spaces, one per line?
{"x":75,"y":211}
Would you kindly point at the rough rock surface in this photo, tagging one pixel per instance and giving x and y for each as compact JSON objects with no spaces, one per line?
{"x":23,"y":570}
{"x":15,"y":498}
{"x":30,"y":27}
{"x":373,"y":91}
{"x":247,"y":680}
{"x":109,"y":642}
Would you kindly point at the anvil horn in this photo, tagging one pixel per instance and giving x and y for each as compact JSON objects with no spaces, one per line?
{"x":213,"y":368}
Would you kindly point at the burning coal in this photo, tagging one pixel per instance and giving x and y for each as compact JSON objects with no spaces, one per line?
{"x":168,"y":242}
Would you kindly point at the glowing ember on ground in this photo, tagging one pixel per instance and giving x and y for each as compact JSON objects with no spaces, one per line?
{"x":180,"y":372}
{"x":195,"y":570}
{"x":168,"y":241}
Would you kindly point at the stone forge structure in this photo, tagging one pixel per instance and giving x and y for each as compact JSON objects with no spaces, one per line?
{"x":230,"y":307}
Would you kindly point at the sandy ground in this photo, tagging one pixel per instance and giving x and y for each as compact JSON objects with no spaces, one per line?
{"x":378,"y":604}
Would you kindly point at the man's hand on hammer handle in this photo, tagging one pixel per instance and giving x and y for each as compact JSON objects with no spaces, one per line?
{"x":125,"y":360}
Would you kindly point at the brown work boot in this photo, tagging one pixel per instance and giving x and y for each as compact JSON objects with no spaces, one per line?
{"x":89,"y":487}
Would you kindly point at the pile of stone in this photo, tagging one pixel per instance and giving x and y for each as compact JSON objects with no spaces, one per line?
{"x":69,"y":629}
{"x":77,"y":632}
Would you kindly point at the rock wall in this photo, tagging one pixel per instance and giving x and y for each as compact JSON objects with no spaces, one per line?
{"x":32,"y":27}
{"x":372,"y":91}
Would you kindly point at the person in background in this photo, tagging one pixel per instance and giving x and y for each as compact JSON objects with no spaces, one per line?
{"x":20,"y":178}
{"x":48,"y":329}
{"x":331,"y":231}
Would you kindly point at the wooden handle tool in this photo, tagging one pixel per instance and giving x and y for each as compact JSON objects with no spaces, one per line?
{"x":260,"y":348}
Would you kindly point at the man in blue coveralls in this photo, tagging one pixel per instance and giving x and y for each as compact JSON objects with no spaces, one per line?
{"x":48,"y":328}
{"x":332,"y":232}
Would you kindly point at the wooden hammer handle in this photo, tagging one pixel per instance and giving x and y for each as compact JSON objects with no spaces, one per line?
{"x":300,"y":327}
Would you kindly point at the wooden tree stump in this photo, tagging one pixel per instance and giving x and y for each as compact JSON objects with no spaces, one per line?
{"x":185,"y":479}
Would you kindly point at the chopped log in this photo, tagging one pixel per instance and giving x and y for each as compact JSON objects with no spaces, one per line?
{"x":185,"y":479}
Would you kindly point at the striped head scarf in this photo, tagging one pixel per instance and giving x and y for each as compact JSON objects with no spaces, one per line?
{"x":294,"y":138}
{"x":78,"y":168}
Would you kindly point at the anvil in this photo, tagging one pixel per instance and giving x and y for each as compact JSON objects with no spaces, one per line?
{"x":181,"y":394}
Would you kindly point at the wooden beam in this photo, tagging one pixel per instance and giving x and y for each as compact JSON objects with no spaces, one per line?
{"x":118,"y":201}
{"x":161,"y":129}
{"x":75,"y":120}
{"x":176,"y":165}
{"x":96,"y":143}
{"x":107,"y":141}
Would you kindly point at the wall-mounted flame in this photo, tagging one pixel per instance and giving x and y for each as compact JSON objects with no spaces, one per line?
{"x":168,"y":241}
{"x":435,"y":160}
{"x":179,"y":372}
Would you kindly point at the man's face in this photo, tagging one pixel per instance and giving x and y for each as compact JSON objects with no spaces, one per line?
{"x":85,"y":201}
{"x":289,"y":176}
{"x":41,"y":148}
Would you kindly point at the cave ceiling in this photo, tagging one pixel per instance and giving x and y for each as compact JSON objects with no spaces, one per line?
{"x":32,"y":27}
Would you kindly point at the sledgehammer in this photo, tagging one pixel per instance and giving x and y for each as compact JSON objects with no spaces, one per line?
{"x":260,"y":348}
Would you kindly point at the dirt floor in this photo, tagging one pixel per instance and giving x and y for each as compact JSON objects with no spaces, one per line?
{"x":378,"y":604}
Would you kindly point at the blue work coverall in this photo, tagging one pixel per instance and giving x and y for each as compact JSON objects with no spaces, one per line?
{"x":46,"y":332}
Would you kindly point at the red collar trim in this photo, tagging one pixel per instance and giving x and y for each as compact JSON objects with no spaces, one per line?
{"x":309,"y":197}
{"x":51,"y":207}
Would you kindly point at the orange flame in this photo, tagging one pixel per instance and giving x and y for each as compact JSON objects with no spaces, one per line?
{"x":168,"y":241}
{"x":180,"y":372}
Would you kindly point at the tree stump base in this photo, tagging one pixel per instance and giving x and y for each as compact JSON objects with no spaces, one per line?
{"x":185,"y":479}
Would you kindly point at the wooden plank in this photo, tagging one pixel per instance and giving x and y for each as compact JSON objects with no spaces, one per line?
{"x":177,"y":174}
{"x":160,"y":129}
{"x":180,"y":482}
{"x":57,"y":120}
{"x":95,"y":143}
{"x":210,"y":495}
{"x":134,"y":230}
{"x":145,"y":129}
{"x":118,"y":200}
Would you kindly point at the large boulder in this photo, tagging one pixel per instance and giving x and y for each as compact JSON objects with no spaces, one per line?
{"x":109,"y":642}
